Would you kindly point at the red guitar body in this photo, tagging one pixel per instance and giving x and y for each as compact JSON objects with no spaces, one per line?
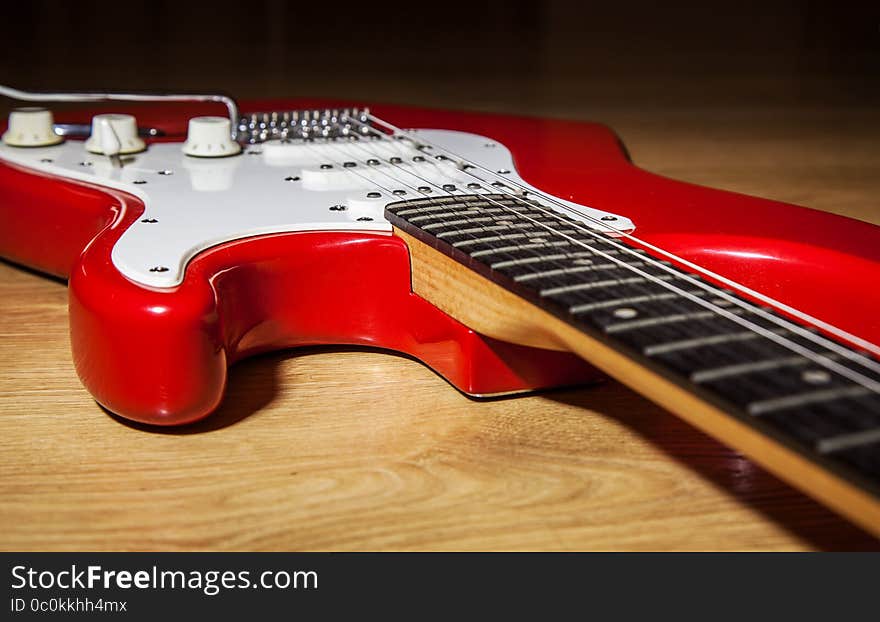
{"x":161,"y":356}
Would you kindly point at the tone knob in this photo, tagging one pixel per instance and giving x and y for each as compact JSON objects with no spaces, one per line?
{"x":124,"y":126}
{"x":31,"y":127}
{"x":210,"y":137}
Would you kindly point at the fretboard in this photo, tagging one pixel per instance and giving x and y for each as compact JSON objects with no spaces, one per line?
{"x":748,"y":361}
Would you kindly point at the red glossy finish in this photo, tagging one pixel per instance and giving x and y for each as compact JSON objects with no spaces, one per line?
{"x":162,"y":356}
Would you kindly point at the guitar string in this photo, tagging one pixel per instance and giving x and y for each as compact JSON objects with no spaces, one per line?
{"x":808,"y":319}
{"x":808,"y":354}
{"x":818,"y":339}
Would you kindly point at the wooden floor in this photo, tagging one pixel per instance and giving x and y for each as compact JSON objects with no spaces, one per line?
{"x":363,"y":450}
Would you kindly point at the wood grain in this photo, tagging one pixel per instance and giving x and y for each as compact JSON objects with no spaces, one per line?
{"x":362,"y":450}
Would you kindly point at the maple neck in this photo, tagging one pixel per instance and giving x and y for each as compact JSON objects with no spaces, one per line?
{"x":795,"y":388}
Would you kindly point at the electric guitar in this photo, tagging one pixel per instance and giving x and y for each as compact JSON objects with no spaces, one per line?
{"x":508,"y":254}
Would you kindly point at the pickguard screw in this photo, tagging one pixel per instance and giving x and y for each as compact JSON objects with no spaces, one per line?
{"x":291,"y":178}
{"x":373,"y":162}
{"x":449,"y":187}
{"x":609,"y":218}
{"x":149,"y":220}
{"x":349,"y":164}
{"x":503,"y":171}
{"x":46,"y":160}
{"x":166,"y":172}
{"x":424,"y":189}
{"x":374,"y":195}
{"x":399,"y":193}
{"x":365,"y":219}
{"x":85,"y":163}
{"x":337,"y":208}
{"x":418,"y":159}
{"x":473,"y":185}
{"x":139,"y":182}
{"x":158,"y":269}
{"x":326,"y":166}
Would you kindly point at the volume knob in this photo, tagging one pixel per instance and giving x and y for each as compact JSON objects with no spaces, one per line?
{"x":125,"y":128}
{"x":210,"y":137}
{"x":31,"y":127}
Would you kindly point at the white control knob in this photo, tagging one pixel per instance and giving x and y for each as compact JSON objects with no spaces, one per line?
{"x":210,"y":137}
{"x":123,"y":126}
{"x":31,"y":127}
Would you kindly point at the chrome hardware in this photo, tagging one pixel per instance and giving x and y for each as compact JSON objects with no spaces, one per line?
{"x":84,"y":130}
{"x":288,"y":125}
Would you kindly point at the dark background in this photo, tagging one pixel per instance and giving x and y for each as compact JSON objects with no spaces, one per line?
{"x":557,"y":58}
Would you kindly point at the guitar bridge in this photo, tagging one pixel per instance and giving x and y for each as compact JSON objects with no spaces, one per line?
{"x":304,"y":125}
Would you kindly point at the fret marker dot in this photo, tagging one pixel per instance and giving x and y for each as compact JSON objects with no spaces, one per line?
{"x":625,"y":313}
{"x":816,"y":376}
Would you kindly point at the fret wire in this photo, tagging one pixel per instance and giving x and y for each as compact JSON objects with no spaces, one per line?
{"x":719,"y":373}
{"x":792,"y":401}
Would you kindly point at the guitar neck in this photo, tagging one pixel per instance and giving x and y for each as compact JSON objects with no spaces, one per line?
{"x":806,"y":408}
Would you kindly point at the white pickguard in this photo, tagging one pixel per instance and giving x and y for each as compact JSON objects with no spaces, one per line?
{"x":272,"y":188}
